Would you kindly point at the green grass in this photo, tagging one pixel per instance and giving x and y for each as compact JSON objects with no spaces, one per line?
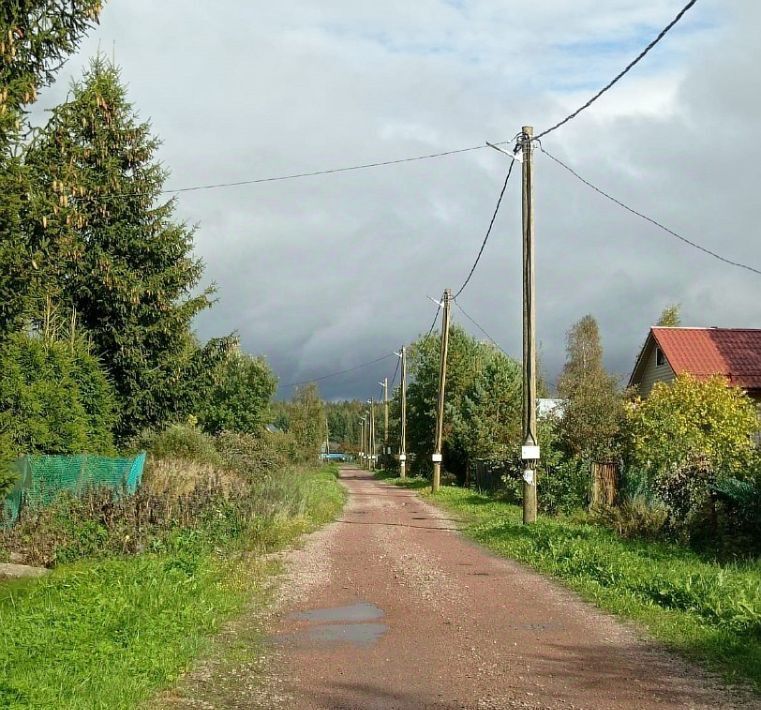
{"x":708,"y":611}
{"x":107,"y":634}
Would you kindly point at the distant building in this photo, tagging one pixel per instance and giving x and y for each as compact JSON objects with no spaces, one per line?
{"x":733,"y":353}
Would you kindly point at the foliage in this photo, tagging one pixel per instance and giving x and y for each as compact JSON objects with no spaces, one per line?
{"x":306,"y":422}
{"x":708,"y":610}
{"x":670,"y":317}
{"x":109,"y":248}
{"x":54,"y":398}
{"x":36,"y":36}
{"x":344,"y":425}
{"x":593,"y":410}
{"x":239,"y":397}
{"x":255,"y":455}
{"x":179,"y":441}
{"x":690,"y":434}
{"x":488,"y":422}
{"x":637,"y":516}
{"x":471,"y":416}
{"x":146,"y":617}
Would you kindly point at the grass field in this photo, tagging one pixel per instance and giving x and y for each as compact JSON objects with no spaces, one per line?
{"x":108,"y":633}
{"x":708,"y":611}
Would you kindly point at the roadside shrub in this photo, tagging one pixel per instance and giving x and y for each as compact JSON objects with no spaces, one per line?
{"x":638,"y":516}
{"x":687,"y":437}
{"x":565,"y":487}
{"x":54,"y":399}
{"x":254,"y":455}
{"x":179,"y":441}
{"x":239,"y":396}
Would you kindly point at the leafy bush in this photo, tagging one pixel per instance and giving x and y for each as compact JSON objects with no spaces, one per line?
{"x":252,"y":455}
{"x":239,"y":397}
{"x":565,"y":487}
{"x":638,"y":516}
{"x":179,"y":441}
{"x":96,"y":525}
{"x":54,"y":399}
{"x":688,"y":436}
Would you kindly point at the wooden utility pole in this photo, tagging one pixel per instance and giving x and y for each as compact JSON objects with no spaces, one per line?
{"x":436,"y":481}
{"x":372,"y":434}
{"x":386,"y":450}
{"x":530,"y":450}
{"x":403,"y":423}
{"x":362,"y":446}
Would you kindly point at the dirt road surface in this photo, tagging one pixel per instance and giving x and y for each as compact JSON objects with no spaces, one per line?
{"x":390,"y":607}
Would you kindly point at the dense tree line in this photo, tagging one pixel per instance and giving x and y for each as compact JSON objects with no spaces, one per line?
{"x":99,"y":286}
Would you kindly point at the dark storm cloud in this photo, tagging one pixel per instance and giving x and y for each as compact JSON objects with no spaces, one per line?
{"x":321,"y":274}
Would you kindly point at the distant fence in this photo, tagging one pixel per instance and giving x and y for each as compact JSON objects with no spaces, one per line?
{"x":42,"y":478}
{"x":488,"y":475}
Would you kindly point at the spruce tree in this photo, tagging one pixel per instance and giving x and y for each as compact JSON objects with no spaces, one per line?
{"x":36,"y":36}
{"x":111,"y":247}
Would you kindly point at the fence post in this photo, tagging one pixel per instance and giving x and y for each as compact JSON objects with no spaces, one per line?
{"x":604,"y":483}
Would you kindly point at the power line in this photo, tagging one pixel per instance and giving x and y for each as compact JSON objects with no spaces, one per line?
{"x":357,"y":367}
{"x":488,"y":231}
{"x":666,"y":229}
{"x":435,"y":320}
{"x":480,"y":327}
{"x":625,"y":71}
{"x":340,"y":372}
{"x":396,"y":372}
{"x":314,"y":173}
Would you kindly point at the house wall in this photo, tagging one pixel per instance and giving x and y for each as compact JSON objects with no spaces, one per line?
{"x":650,"y":373}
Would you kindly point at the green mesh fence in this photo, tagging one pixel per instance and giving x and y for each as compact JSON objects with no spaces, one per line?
{"x":42,"y":478}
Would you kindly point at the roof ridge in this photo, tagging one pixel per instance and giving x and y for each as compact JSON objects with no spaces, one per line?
{"x":703,"y":327}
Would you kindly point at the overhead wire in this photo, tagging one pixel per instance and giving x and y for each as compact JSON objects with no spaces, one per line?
{"x":297,"y":176}
{"x":621,"y":74}
{"x":488,"y":231}
{"x":481,"y":328}
{"x":652,"y":221}
{"x":361,"y":365}
{"x":340,"y":372}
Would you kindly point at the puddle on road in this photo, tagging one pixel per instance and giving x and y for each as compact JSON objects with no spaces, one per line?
{"x":364,"y":634}
{"x":356,"y":625}
{"x":362,"y":611}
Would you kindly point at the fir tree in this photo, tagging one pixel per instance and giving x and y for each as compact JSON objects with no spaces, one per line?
{"x":112,"y":249}
{"x":36,"y":36}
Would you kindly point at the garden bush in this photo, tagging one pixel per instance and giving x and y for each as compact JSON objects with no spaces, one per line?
{"x":54,"y":399}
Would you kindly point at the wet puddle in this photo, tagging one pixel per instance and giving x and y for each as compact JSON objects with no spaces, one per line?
{"x":357,"y":625}
{"x":362,"y":611}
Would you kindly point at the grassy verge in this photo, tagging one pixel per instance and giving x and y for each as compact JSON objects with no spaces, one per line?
{"x":708,"y":611}
{"x":108,"y":633}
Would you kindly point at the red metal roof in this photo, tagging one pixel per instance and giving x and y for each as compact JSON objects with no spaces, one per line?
{"x":702,"y":352}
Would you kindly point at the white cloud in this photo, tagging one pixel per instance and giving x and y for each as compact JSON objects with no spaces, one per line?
{"x":323,"y":273}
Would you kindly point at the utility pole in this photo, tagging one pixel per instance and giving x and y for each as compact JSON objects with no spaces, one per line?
{"x":386,"y":450}
{"x":403,"y":424}
{"x":327,"y":437}
{"x":436,"y":482}
{"x":530,"y":449}
{"x":372,"y":434}
{"x":362,"y":443}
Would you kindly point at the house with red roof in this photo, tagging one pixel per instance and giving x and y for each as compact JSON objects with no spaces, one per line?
{"x":733,"y":353}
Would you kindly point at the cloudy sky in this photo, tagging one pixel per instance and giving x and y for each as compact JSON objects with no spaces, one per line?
{"x":321,"y":274}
